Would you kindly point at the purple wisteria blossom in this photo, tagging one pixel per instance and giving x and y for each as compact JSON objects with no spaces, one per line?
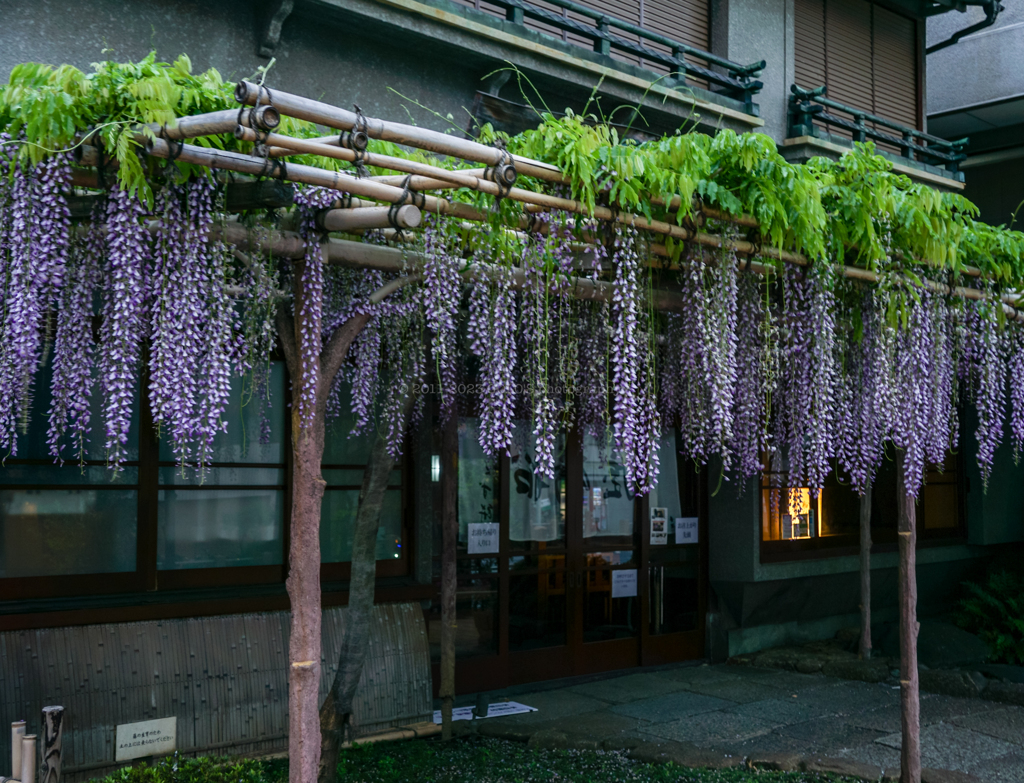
{"x":441,"y":291}
{"x":310,"y":315}
{"x":74,"y":346}
{"x":124,"y":326}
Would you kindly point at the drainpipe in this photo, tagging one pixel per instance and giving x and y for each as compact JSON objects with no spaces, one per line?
{"x":992,"y":9}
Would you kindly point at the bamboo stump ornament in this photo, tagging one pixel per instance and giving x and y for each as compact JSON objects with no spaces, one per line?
{"x":53,"y":741}
{"x":910,"y":701}
{"x":17,"y":733}
{"x":28,"y":759}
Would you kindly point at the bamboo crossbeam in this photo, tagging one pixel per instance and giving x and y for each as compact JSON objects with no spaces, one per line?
{"x":303,"y":146}
{"x":309,"y":175}
{"x":407,"y":216}
{"x":409,"y":135}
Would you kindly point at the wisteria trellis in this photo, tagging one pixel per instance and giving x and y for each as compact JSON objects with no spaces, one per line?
{"x":798,"y":364}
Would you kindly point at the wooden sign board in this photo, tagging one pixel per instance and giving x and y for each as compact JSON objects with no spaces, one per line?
{"x":146,"y":738}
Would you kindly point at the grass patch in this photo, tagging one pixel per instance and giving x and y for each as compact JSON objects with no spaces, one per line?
{"x":468,"y":760}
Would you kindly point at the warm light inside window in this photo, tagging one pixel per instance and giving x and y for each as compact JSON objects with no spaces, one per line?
{"x":790,"y":513}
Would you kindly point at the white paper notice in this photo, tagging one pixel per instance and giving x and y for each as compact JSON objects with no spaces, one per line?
{"x":624,"y":583}
{"x":146,"y":738}
{"x":686,"y":530}
{"x":483,"y":537}
{"x":659,"y":526}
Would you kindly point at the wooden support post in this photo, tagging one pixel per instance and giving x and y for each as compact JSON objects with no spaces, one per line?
{"x":864,"y":651}
{"x":449,"y":534}
{"x":28,"y":759}
{"x":17,"y":732}
{"x":910,"y":698}
{"x":53,"y":741}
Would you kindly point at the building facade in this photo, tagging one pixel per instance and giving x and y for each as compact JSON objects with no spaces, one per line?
{"x":580,"y":577}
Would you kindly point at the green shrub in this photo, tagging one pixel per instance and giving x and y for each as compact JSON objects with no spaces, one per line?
{"x":995,"y":612}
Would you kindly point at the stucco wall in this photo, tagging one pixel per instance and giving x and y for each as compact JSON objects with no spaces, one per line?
{"x":982,"y":67}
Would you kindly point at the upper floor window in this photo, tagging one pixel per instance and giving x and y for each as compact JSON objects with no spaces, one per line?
{"x":868,"y":58}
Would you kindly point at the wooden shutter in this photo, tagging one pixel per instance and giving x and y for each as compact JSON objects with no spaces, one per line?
{"x":895,"y":67}
{"x":848,"y":52}
{"x":866,"y":55}
{"x":809,"y":45}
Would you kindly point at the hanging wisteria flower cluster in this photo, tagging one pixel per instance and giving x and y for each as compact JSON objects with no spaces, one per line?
{"x":789,"y":366}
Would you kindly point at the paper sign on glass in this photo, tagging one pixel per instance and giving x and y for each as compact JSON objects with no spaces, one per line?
{"x":686,"y":530}
{"x":624,"y":583}
{"x":659,"y":526}
{"x":483,"y":537}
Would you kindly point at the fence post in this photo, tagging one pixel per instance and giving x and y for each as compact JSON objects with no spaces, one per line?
{"x":53,"y":741}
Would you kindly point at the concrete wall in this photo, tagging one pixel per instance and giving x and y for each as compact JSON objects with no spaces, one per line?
{"x":981,"y":68}
{"x":319,"y":55}
{"x":750,"y":30}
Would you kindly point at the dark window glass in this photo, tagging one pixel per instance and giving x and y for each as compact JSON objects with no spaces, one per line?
{"x":57,"y":532}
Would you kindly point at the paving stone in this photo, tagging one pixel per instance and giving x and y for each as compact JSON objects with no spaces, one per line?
{"x":865,"y":671}
{"x":671,"y":707}
{"x":945,"y":746}
{"x":548,"y":739}
{"x":1004,"y":769}
{"x":552,"y":704}
{"x":888,"y":759}
{"x":633,"y":687}
{"x":594,"y":725}
{"x":843,"y":766}
{"x":826,"y":735}
{"x":790,"y":710}
{"x":847,"y":698}
{"x":1006,"y":724}
{"x":885,"y":719}
{"x":937,"y":708}
{"x":711,"y":728}
{"x":740,"y":691}
{"x":778,"y":762}
{"x":1006,"y":692}
{"x":950,"y":682}
{"x":930,"y":775}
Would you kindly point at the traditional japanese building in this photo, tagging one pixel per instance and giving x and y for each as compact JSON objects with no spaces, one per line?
{"x":555,"y":577}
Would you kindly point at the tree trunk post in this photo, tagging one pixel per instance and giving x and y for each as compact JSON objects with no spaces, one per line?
{"x":53,"y":741}
{"x":910,"y":702}
{"x":337,"y":708}
{"x":865,"y":574}
{"x":449,"y":534}
{"x":303,"y":581}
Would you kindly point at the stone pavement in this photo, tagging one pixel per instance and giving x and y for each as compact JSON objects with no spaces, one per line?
{"x":747,"y":713}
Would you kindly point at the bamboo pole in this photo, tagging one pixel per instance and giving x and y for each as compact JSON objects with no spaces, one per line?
{"x":910,"y":697}
{"x":864,"y":646}
{"x":409,"y":135}
{"x":231,"y":161}
{"x":408,"y":216}
{"x":17,"y":732}
{"x":449,"y":178}
{"x":28,"y":759}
